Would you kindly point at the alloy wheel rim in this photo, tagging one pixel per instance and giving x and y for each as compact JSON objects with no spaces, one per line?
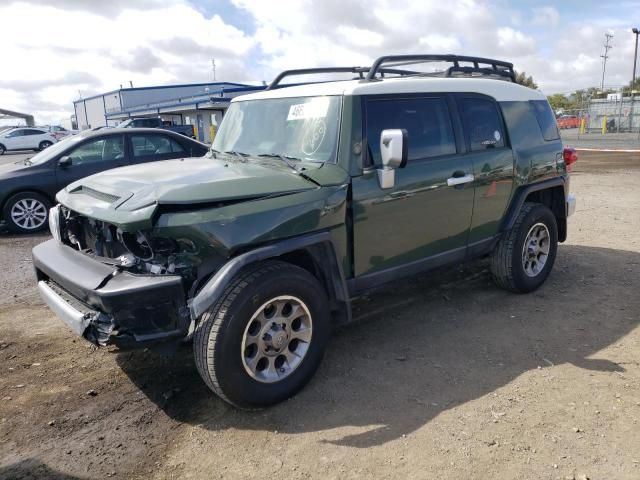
{"x":29,"y":213}
{"x":535,"y":250}
{"x":276,"y":339}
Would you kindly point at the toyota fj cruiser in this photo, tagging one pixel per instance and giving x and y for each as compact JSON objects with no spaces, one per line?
{"x":311,"y":195}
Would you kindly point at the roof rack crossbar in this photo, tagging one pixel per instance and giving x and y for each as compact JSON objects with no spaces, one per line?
{"x":311,"y":71}
{"x":472,"y":70}
{"x":505,"y":68}
{"x":360,"y":71}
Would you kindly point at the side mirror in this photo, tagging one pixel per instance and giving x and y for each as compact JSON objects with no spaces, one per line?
{"x":394,"y":152}
{"x":65,"y":161}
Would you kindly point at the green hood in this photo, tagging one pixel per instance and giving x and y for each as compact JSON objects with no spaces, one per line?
{"x":130,"y":195}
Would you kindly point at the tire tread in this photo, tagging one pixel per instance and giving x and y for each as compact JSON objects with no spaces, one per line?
{"x":212,"y":325}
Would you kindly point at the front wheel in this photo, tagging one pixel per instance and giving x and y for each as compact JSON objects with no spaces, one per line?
{"x":2,"y":149}
{"x":265,"y":337}
{"x":524,"y":257}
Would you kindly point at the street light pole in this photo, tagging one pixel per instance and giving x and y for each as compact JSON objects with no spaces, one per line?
{"x":633,"y":80}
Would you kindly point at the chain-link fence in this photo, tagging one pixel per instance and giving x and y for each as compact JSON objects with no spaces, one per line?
{"x":603,"y":123}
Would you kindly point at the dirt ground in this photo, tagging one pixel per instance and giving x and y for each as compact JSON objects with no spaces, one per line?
{"x":442,"y":377}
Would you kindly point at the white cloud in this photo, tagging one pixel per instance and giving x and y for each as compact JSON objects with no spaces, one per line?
{"x":90,"y":49}
{"x":95,"y":46}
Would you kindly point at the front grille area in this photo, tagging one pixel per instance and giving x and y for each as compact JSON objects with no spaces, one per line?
{"x":92,"y":236}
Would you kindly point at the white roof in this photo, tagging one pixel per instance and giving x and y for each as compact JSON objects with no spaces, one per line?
{"x":501,"y":90}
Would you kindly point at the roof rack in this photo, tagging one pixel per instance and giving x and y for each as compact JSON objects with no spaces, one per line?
{"x":483,"y":66}
{"x":493,"y":67}
{"x":360,"y":71}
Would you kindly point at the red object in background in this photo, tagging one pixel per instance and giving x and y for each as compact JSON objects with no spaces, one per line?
{"x":568,"y":121}
{"x":570,"y":157}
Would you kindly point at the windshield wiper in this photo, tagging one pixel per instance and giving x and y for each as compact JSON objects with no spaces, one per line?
{"x":240,"y":155}
{"x":285,"y":158}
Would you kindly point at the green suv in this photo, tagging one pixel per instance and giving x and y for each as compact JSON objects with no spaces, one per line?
{"x":311,"y":195}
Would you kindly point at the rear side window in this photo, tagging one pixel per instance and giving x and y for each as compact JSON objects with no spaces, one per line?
{"x":16,"y":133}
{"x":426,"y":121}
{"x":546,"y":119}
{"x":34,"y":132}
{"x":154,"y":145}
{"x":482,"y":123}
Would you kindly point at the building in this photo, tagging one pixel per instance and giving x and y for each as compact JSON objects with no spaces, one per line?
{"x":199,"y":104}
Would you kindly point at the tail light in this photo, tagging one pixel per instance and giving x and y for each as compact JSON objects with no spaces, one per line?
{"x":570,"y":157}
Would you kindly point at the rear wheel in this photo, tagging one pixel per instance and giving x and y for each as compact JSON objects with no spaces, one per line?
{"x":265,"y":337}
{"x":44,"y":144}
{"x":26,"y":212}
{"x":524,"y":257}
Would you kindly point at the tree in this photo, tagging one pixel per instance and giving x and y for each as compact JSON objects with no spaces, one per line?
{"x":559,"y":102}
{"x":635,"y":86}
{"x":527,"y":81}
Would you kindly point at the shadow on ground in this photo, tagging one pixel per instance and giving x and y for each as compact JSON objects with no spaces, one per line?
{"x":32,"y":469}
{"x":424,"y":346}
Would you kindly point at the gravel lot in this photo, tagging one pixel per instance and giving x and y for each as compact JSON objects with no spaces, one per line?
{"x":442,"y":377}
{"x":616,"y":141}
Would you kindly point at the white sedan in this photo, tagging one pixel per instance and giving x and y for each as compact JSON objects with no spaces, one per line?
{"x":27,"y":138}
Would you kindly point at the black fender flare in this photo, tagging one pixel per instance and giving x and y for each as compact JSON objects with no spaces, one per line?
{"x":521,"y":195}
{"x":319,"y":245}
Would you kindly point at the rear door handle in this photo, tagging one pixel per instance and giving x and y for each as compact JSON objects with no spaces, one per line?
{"x":453,"y":181}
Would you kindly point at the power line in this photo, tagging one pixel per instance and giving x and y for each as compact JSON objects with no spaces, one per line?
{"x":604,"y":57}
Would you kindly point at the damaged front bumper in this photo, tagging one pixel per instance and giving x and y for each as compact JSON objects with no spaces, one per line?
{"x":108,"y":306}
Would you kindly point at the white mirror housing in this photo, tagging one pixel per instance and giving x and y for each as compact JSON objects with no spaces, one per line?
{"x":394,"y":153}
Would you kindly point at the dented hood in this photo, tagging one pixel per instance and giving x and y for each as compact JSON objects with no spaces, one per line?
{"x":131,"y":194}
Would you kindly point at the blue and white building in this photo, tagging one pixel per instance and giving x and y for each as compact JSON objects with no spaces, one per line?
{"x":199,"y":104}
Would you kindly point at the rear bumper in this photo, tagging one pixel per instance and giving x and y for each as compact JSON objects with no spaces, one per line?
{"x":571,"y":205}
{"x":108,"y":306}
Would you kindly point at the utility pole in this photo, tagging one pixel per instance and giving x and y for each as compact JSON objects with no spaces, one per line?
{"x":213,"y":65}
{"x":604,"y":57}
{"x":635,"y":57}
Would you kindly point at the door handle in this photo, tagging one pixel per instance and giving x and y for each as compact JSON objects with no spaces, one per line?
{"x":453,"y":181}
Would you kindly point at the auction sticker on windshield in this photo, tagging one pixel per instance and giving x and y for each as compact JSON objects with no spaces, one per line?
{"x":315,"y":108}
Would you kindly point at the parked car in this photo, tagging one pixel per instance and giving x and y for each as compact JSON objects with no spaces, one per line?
{"x":568,"y":121}
{"x":27,"y":138}
{"x":60,"y":132}
{"x":186,"y":130}
{"x":28,"y":187}
{"x":312,"y":195}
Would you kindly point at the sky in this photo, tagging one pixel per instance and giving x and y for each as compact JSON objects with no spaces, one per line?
{"x":54,"y":51}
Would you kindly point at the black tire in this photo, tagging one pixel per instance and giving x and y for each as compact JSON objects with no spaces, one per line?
{"x":26,"y":196}
{"x":221,"y":330}
{"x":2,"y":149}
{"x":44,"y":144}
{"x":507,"y":264}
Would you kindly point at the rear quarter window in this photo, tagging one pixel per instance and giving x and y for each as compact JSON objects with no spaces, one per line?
{"x":546,"y":119}
{"x":482,"y":123}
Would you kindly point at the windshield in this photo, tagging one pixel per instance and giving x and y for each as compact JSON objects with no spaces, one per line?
{"x":53,"y":150}
{"x":304,"y":128}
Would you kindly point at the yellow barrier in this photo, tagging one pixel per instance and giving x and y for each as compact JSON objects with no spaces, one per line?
{"x":604,"y":124}
{"x":583,"y":125}
{"x":212,"y":132}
